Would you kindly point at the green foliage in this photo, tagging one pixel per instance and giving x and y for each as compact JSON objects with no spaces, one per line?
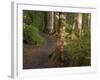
{"x":85,"y":21}
{"x":69,"y":28}
{"x":28,"y":17}
{"x":80,"y":49}
{"x":31,"y":35}
{"x":68,"y":31}
{"x":70,"y":18}
{"x":35,"y":18}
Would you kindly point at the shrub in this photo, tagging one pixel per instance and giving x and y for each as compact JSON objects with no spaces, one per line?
{"x":31,"y":35}
{"x":79,"y":50}
{"x":69,"y":28}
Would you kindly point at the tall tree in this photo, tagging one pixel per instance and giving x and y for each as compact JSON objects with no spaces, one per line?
{"x":58,"y":54}
{"x":80,"y":22}
{"x":61,"y":31}
{"x":50,"y":22}
{"x":77,"y":25}
{"x":56,"y":20}
{"x":44,"y":22}
{"x":89,"y":21}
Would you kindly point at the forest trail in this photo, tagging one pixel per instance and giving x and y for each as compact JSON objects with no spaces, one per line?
{"x":38,"y":57}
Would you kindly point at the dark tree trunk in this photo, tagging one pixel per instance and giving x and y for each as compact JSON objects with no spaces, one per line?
{"x":45,"y":22}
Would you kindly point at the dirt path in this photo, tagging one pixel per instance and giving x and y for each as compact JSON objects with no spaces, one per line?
{"x":37,"y":57}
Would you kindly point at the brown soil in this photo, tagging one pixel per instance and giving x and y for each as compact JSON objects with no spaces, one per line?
{"x":38,"y":57}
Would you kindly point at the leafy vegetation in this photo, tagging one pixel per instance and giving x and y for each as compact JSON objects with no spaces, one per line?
{"x":31,"y":35}
{"x":79,"y":49}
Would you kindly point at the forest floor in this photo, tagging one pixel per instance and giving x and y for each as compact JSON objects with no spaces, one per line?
{"x":38,"y":57}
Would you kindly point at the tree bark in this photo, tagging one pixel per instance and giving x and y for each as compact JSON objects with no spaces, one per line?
{"x":89,"y":22}
{"x":77,"y":26}
{"x":50,"y":22}
{"x":58,"y":54}
{"x":61,"y":32}
{"x":80,"y":22}
{"x":45,"y":22}
{"x":56,"y":19}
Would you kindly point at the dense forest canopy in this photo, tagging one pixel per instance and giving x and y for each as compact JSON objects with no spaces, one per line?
{"x":71,"y":30}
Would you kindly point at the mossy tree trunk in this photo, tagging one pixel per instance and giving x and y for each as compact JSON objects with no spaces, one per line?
{"x":58,"y":54}
{"x":61,"y":32}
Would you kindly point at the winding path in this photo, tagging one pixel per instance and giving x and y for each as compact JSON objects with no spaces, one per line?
{"x":37,"y":57}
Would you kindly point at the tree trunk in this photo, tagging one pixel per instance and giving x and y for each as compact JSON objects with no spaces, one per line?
{"x":45,"y":22}
{"x":89,"y":22}
{"x":58,"y":54}
{"x":77,"y":26}
{"x":56,"y":19}
{"x":61,"y":32}
{"x":50,"y":22}
{"x":80,"y":22}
